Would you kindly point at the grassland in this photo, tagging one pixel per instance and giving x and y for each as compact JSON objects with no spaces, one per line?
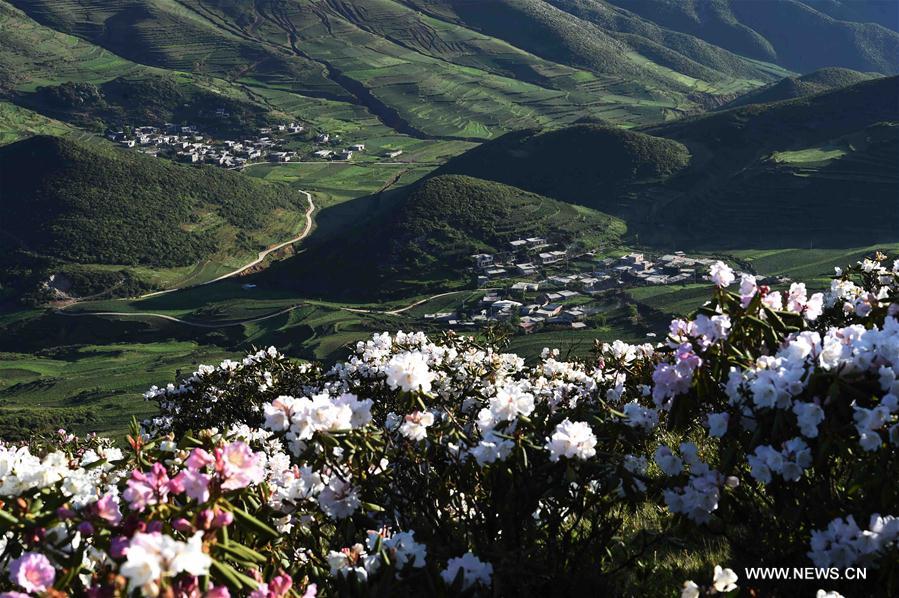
{"x":89,"y":388}
{"x":18,"y":123}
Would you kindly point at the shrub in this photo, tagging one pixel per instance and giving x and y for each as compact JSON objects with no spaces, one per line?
{"x":446,"y":467}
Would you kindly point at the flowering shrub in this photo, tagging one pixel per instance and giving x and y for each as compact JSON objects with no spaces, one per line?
{"x":446,"y":467}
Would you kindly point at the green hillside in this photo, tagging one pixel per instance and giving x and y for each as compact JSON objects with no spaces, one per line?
{"x":416,"y":68}
{"x":761,"y":175}
{"x":177,"y":36}
{"x":799,"y":87}
{"x":65,"y":202}
{"x":642,"y":57}
{"x":791,"y":33}
{"x":880,"y":12}
{"x":589,"y":164}
{"x":787,"y":172}
{"x":148,"y":99}
{"x":426,"y":242}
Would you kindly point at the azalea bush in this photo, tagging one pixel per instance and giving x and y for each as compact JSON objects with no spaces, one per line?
{"x":442,"y":466}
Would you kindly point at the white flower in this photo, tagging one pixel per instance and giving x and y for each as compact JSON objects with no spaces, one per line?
{"x":691,"y":590}
{"x":718,"y":424}
{"x":670,"y":464}
{"x":638,"y":416}
{"x":826,"y":594}
{"x":352,"y":561}
{"x":491,"y":449}
{"x":722,"y":275}
{"x":511,"y":402}
{"x":808,"y":416}
{"x":473,"y":569}
{"x":724,"y":580}
{"x":571,"y":440}
{"x":415,"y":425}
{"x":410,"y":372}
{"x":339,"y":499}
{"x":404,"y":550}
{"x":153,"y":556}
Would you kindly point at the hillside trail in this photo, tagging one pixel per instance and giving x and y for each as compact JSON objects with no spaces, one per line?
{"x":396,"y":312}
{"x":139,"y":314}
{"x":259,"y":258}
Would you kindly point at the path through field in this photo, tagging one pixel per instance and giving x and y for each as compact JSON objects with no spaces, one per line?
{"x":137,"y":314}
{"x":259,"y":258}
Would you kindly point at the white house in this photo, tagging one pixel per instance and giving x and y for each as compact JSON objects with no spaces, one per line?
{"x":482,"y":260}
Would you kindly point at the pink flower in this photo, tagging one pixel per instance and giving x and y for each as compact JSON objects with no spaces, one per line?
{"x":14,"y":595}
{"x":280,"y":585}
{"x":33,"y":572}
{"x":199,"y":459}
{"x":193,"y":483}
{"x":223,"y":519}
{"x":108,"y":509}
{"x":147,"y":488}
{"x":239,"y":466}
{"x":311,"y":591}
{"x":218,"y":592}
{"x":277,"y":588}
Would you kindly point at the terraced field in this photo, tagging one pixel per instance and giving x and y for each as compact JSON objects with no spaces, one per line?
{"x":340,"y":63}
{"x":17,"y":123}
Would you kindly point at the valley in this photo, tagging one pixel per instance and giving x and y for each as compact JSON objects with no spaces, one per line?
{"x":602,"y":129}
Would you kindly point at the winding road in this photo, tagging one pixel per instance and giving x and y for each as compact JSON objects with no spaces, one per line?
{"x":259,"y":258}
{"x":396,"y":312}
{"x":143,"y":314}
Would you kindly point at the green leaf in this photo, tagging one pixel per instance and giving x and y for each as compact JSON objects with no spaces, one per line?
{"x":254,"y":523}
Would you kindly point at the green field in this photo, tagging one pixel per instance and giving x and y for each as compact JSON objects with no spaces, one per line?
{"x":17,"y":123}
{"x":90,"y":388}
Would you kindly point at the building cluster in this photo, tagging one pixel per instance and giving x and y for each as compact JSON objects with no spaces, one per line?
{"x":673,"y":268}
{"x":547,"y":287}
{"x":342,"y":154}
{"x":556,"y":307}
{"x":186,"y":143}
{"x":524,"y":257}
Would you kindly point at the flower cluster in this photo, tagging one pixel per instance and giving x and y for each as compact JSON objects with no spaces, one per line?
{"x":767,"y":414}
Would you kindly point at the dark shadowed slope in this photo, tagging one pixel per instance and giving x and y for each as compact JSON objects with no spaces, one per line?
{"x":588,"y":164}
{"x":426,"y":242}
{"x":791,"y":33}
{"x":804,"y":85}
{"x":93,"y":204}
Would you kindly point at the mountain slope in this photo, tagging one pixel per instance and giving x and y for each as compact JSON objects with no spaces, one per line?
{"x":603,"y":39}
{"x":66,"y":203}
{"x":426,"y":241}
{"x":882,"y":12}
{"x":791,"y":33}
{"x":588,"y":164}
{"x":804,"y":85}
{"x":478,"y":76}
{"x":90,"y":204}
{"x":776,"y":174}
{"x":148,"y":98}
{"x":788,"y":172}
{"x":179,"y":37}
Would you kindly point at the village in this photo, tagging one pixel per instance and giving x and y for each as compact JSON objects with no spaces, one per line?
{"x":189,"y":144}
{"x":533,"y":285}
